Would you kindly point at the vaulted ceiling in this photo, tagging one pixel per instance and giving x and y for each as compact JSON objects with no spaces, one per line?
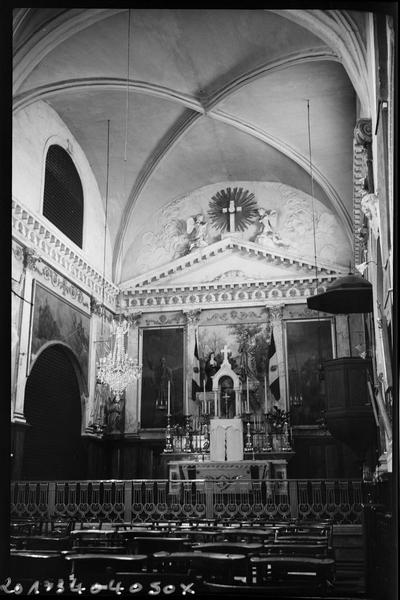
{"x":193,"y":97}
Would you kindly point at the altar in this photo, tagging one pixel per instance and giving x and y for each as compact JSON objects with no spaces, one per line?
{"x":222,"y":471}
{"x":225,"y":442}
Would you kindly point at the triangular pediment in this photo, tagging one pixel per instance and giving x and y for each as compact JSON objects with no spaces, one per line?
{"x":231,"y":261}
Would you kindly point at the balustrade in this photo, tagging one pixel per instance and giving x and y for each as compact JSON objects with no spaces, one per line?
{"x":151,"y":500}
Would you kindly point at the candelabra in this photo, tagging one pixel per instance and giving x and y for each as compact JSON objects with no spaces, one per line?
{"x":268,"y":447}
{"x":187,"y":447}
{"x":116,"y":369}
{"x":248,"y":446}
{"x":285,"y":438}
{"x":168,"y":436}
{"x":97,"y":428}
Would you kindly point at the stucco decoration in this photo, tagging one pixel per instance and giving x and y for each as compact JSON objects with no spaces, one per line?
{"x":370,"y":208}
{"x":292,"y":219}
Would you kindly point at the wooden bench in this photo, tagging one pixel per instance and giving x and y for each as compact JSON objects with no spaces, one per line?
{"x":217,"y":566}
{"x":149,"y":545}
{"x":291,"y":571}
{"x":297,"y":549}
{"x":145,"y":585}
{"x":47,"y":542}
{"x":27,"y":566}
{"x":229,"y":548}
{"x":101,"y":568}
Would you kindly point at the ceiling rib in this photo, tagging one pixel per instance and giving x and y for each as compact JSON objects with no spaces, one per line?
{"x":291,"y":60}
{"x":168,"y":141}
{"x":294,"y":155}
{"x":104,"y":84}
{"x":42,"y":42}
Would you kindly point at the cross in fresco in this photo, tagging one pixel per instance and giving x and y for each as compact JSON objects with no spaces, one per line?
{"x":225,"y":351}
{"x":232,"y":209}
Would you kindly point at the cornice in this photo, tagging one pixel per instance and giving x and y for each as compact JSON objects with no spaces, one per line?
{"x":151,"y":278}
{"x":51,"y":246}
{"x":247,"y":294}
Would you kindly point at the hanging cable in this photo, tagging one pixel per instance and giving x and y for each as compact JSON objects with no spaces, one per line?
{"x":314,"y":233}
{"x":127,"y":85}
{"x":312,"y":191}
{"x":105,"y":224}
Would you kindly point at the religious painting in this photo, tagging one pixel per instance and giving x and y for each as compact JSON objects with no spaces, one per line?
{"x":162,"y":377}
{"x":247,"y":346}
{"x":54,"y":319}
{"x":309,"y":343}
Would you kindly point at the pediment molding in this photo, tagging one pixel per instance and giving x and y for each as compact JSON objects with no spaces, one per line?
{"x":156,"y":279}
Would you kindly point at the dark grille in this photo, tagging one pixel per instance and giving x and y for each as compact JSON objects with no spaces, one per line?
{"x":63,"y":195}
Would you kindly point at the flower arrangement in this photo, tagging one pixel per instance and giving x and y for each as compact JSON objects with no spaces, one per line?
{"x":277,"y":418}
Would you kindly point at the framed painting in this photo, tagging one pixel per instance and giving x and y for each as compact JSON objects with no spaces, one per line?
{"x":308,"y":344}
{"x":54,"y":319}
{"x":247,"y":353}
{"x":162,"y":360}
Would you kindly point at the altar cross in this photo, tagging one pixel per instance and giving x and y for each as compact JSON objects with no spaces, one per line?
{"x":232,"y":209}
{"x":225,"y":351}
{"x":226,"y":398}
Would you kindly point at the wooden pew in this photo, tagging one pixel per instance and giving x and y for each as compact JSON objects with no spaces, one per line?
{"x":291,"y":572}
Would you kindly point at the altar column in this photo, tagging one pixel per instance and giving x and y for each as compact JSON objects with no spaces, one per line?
{"x":192,"y":320}
{"x":275,"y":315}
{"x":133,"y":391}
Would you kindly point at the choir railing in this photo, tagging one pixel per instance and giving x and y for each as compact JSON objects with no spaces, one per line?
{"x":149,"y":500}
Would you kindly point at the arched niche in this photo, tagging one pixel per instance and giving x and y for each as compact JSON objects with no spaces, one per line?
{"x":223,"y":375}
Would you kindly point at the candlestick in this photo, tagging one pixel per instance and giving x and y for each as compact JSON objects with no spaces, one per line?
{"x":168,"y":445}
{"x":265,"y":394}
{"x":186,"y":399}
{"x":248,"y":401}
{"x":169,"y":398}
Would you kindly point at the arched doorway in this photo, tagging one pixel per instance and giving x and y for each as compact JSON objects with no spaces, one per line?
{"x":53,"y":446}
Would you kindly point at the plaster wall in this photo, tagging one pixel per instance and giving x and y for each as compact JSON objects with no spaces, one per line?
{"x":165,"y":234}
{"x":35,"y":128}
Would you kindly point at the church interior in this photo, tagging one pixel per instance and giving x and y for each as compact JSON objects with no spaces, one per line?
{"x":203,"y":386}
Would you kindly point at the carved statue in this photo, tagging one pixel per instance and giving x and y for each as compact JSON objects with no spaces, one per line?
{"x":196,"y":228}
{"x":163,"y":376}
{"x":211,"y":367}
{"x":114,"y":415}
{"x":267,"y":220}
{"x":370,"y":208}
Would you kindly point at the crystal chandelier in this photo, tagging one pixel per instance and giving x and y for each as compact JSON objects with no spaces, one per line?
{"x":116,"y":369}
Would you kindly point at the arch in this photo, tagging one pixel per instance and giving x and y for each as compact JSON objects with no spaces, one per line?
{"x":53,"y":447}
{"x":340,"y":32}
{"x":83,"y":388}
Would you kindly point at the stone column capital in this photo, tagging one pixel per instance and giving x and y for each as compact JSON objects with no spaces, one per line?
{"x":192,"y":316}
{"x":275,"y":312}
{"x":30,"y":258}
{"x":363,"y":132}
